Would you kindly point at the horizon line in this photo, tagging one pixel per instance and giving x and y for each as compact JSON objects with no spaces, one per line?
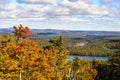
{"x":66,"y":29}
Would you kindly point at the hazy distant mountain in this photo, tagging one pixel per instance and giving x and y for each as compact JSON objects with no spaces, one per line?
{"x":6,"y":30}
{"x":49,"y":32}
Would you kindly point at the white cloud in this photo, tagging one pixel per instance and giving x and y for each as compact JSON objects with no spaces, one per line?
{"x":68,"y":14}
{"x":29,"y":11}
{"x":37,"y":1}
{"x":93,"y":9}
{"x":56,"y":10}
{"x":8,"y":10}
{"x":65,"y":8}
{"x":84,"y":7}
{"x":7,"y":7}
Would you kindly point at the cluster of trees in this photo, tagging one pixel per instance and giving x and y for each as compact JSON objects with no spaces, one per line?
{"x":90,"y":51}
{"x":94,"y":47}
{"x":85,"y":46}
{"x":108,"y":70}
{"x":21,"y":58}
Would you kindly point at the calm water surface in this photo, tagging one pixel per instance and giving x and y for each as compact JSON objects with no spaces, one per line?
{"x":70,"y":57}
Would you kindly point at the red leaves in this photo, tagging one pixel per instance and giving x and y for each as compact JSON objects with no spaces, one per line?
{"x":18,"y":49}
{"x":26,"y":30}
{"x":21,"y":32}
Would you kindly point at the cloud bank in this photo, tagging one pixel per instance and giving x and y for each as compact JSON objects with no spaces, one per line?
{"x":69,"y":13}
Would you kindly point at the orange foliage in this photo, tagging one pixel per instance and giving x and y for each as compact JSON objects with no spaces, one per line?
{"x":22,"y":55}
{"x":18,"y":49}
{"x":21,"y":33}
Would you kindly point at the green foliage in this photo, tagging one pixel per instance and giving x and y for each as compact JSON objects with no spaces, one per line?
{"x":84,"y":46}
{"x":115,"y":66}
{"x":108,"y":70}
{"x":23,"y":58}
{"x":103,"y":69}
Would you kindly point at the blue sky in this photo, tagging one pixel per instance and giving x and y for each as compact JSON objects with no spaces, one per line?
{"x":61,"y":14}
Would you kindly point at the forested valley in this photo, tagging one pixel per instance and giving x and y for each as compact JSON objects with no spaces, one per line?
{"x":27,"y":57}
{"x":85,"y":45}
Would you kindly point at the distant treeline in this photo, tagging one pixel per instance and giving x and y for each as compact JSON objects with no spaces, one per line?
{"x":78,"y":45}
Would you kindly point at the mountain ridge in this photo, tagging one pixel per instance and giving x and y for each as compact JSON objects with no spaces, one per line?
{"x":45,"y":32}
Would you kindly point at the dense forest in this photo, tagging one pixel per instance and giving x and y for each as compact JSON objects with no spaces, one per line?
{"x":77,"y":45}
{"x":23,"y":57}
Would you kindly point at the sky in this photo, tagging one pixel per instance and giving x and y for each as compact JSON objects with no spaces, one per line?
{"x":102,"y":15}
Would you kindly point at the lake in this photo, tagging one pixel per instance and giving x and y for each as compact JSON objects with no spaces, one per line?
{"x":70,"y":57}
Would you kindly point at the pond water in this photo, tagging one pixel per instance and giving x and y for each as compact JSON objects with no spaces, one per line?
{"x":70,"y":57}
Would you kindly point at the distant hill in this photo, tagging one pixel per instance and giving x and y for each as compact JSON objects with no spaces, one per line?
{"x":53,"y":32}
{"x":6,"y":30}
{"x":49,"y":32}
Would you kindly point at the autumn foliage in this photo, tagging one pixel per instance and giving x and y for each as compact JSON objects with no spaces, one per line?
{"x":22,"y":58}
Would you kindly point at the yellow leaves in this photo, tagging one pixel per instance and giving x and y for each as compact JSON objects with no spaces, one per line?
{"x":8,"y":75}
{"x":67,"y":66}
{"x":10,"y":65}
{"x":22,"y":55}
{"x":38,"y":76}
{"x":82,"y":70}
{"x":1,"y":75}
{"x":58,"y":76}
{"x":33,"y":43}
